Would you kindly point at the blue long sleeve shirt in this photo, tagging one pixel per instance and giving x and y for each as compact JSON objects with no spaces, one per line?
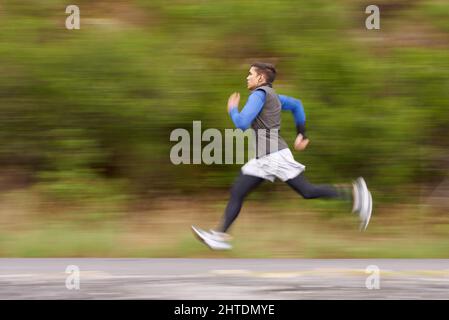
{"x":254,"y":105}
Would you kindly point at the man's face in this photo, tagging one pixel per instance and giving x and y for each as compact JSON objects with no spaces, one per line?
{"x":254,"y":79}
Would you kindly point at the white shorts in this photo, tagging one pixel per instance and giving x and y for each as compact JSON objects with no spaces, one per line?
{"x":279,"y":164}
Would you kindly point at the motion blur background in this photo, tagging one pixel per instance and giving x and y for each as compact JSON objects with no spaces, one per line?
{"x":86,"y":116}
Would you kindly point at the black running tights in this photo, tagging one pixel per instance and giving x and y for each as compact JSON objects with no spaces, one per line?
{"x":245,"y":184}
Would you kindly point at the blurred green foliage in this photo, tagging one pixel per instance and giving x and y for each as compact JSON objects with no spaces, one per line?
{"x":88,"y":113}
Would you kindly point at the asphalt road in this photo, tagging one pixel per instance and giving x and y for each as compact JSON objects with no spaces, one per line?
{"x":223,"y":279}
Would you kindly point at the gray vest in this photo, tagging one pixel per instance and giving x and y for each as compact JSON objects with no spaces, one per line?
{"x":267,"y":124}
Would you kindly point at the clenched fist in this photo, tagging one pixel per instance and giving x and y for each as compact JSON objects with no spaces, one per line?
{"x":300,"y":143}
{"x":233,"y":101}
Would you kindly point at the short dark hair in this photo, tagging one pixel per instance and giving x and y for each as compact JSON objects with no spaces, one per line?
{"x":267,"y":69}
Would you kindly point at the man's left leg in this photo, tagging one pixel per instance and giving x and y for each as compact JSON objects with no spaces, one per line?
{"x":218,"y":239}
{"x":241,"y":188}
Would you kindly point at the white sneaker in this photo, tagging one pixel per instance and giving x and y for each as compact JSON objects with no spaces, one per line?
{"x":363,"y":202}
{"x":214,"y":241}
{"x":369,"y":211}
{"x":355,"y":197}
{"x":220,"y":236}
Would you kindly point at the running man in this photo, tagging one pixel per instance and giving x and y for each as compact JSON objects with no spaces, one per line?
{"x":262,"y":113}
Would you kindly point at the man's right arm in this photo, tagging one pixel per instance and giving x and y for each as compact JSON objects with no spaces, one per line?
{"x":252,"y":108}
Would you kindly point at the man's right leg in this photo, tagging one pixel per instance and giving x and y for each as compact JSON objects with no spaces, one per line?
{"x":241,"y":188}
{"x":312,"y":191}
{"x":360,"y":195}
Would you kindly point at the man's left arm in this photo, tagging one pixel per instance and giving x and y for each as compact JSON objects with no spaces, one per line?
{"x":295,"y":106}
